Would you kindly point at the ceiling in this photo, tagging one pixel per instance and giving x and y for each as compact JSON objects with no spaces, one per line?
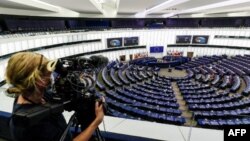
{"x":10,"y":4}
{"x":127,"y":8}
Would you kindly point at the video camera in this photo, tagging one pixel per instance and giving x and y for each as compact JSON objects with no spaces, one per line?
{"x":72,"y":89}
{"x":74,"y":84}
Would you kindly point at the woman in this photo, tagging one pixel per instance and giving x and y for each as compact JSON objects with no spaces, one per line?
{"x":29,"y":74}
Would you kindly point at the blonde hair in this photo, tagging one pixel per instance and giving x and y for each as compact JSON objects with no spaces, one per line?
{"x":23,"y":71}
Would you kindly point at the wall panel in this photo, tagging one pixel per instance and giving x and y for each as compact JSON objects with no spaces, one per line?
{"x":149,"y":38}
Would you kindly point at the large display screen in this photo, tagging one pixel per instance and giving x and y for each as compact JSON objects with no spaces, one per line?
{"x":156,"y":49}
{"x":114,"y":42}
{"x":131,"y":41}
{"x":183,"y":39}
{"x":200,"y":39}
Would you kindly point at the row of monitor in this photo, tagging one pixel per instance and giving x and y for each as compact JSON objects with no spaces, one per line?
{"x":231,"y":37}
{"x":197,"y":39}
{"x":120,"y":42}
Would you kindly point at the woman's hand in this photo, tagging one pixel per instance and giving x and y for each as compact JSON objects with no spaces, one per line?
{"x":87,"y":133}
{"x":99,"y":112}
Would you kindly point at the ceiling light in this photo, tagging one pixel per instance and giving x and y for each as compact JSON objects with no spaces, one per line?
{"x":140,"y":15}
{"x":168,"y":15}
{"x":44,"y":3}
{"x":160,"y":7}
{"x":238,"y":14}
{"x":214,"y":5}
{"x":209,"y":6}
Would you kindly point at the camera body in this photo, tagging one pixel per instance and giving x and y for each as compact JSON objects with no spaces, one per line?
{"x":74,"y":86}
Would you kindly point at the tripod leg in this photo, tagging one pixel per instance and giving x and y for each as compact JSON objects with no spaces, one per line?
{"x":100,"y":137}
{"x":71,"y":122}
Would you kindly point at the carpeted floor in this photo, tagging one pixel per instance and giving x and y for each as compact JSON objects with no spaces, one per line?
{"x":183,"y":107}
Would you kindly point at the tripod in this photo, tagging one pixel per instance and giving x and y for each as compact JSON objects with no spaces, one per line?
{"x":74,"y":122}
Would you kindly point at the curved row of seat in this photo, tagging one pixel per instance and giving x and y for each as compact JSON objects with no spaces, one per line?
{"x":236,"y":83}
{"x":129,"y":76}
{"x":221,"y":123}
{"x":226,"y":82}
{"x":215,"y":100}
{"x":100,"y":85}
{"x":225,"y":69}
{"x":227,"y":105}
{"x":198,"y":92}
{"x":246,"y":91}
{"x":112,"y":75}
{"x":133,"y":111}
{"x":223,"y":114}
{"x":216,"y":80}
{"x":136,"y":76}
{"x":183,"y":87}
{"x":166,"y":103}
{"x":115,"y":79}
{"x":225,"y":66}
{"x":117,"y":113}
{"x":122,"y":78}
{"x":154,"y":88}
{"x":240,"y":68}
{"x":243,"y":60}
{"x":106,"y":79}
{"x":207,"y":107}
{"x":200,"y":61}
{"x":153,"y":98}
{"x":206,"y":96}
{"x":233,"y":68}
{"x":159,"y":82}
{"x":220,"y":70}
{"x":149,"y":91}
{"x":148,"y":96}
{"x":161,"y":86}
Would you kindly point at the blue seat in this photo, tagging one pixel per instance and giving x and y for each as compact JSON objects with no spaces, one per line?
{"x":245,"y":121}
{"x":231,"y":122}
{"x":238,"y":122}
{"x":226,"y":113}
{"x":222,"y":122}
{"x":171,"y":119}
{"x":246,"y":111}
{"x":214,"y":123}
{"x":205,"y":114}
{"x":233,"y":113}
{"x":203,"y":122}
{"x":180,"y":120}
{"x":220,"y":114}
